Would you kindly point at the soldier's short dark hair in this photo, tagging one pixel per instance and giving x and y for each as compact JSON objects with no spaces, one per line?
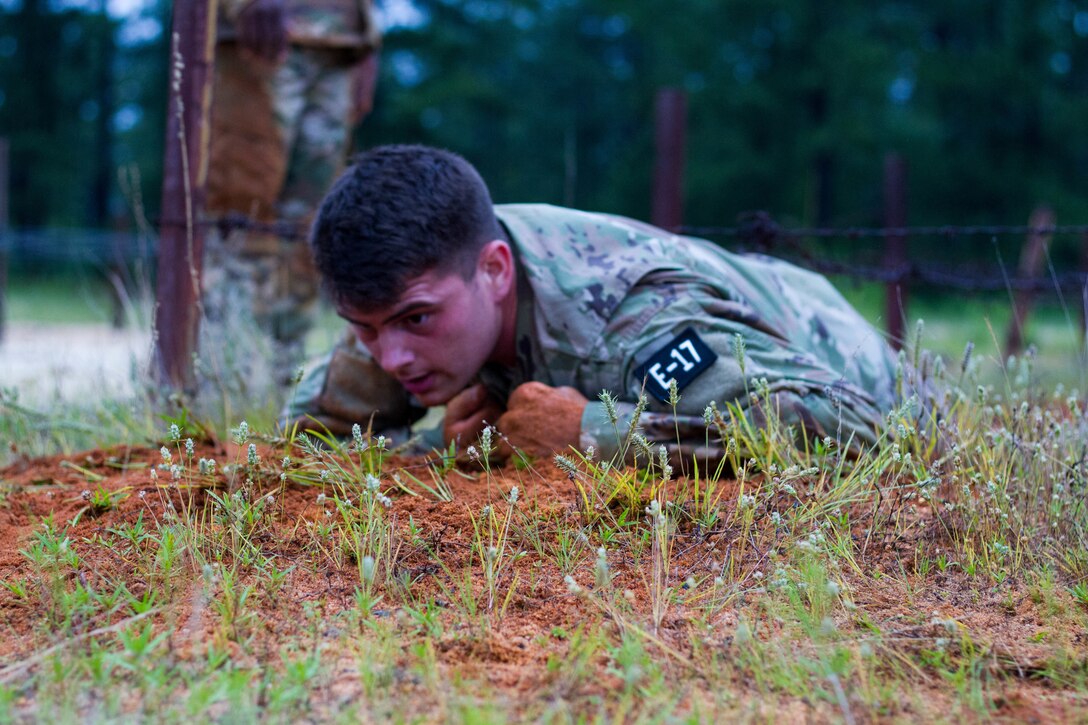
{"x":398,"y":212}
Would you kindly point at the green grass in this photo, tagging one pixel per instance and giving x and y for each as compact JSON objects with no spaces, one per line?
{"x":78,"y":298}
{"x":813,"y":585}
{"x":953,"y":319}
{"x":810,"y":585}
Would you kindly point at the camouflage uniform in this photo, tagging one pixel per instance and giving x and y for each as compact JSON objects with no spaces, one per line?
{"x":279,"y":135}
{"x":601,"y":298}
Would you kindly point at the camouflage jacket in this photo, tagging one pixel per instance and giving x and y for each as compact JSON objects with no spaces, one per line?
{"x":607,"y":303}
{"x":343,"y":24}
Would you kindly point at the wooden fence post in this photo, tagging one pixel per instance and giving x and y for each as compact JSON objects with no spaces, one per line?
{"x":1040,"y":225}
{"x":895,"y":250}
{"x":181,"y":234}
{"x":670,"y":139}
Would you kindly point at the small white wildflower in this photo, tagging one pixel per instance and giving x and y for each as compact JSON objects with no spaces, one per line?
{"x":372,"y":483}
{"x":572,"y":586}
{"x":833,"y":588}
{"x":604,"y":578}
{"x":321,"y":499}
{"x":166,"y":456}
{"x":566,"y":465}
{"x":368,"y":569}
{"x":241,"y":433}
{"x":190,"y":447}
{"x":175,"y":432}
{"x":514,"y":494}
{"x":385,"y":500}
{"x":473,"y":454}
{"x":381,"y":443}
{"x":86,"y":495}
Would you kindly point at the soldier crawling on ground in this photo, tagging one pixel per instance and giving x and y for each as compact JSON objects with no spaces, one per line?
{"x":521,"y":315}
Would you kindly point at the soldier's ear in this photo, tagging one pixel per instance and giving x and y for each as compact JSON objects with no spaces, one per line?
{"x":496,"y":263}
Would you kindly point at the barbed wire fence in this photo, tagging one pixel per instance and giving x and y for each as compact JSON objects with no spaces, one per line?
{"x":756,"y":232}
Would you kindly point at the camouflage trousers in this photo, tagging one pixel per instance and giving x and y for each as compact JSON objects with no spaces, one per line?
{"x":279,"y":136}
{"x":266,"y":298}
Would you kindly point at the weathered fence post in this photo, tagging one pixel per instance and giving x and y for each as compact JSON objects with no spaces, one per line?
{"x":181,"y":235}
{"x":1040,"y":226}
{"x":670,"y":139}
{"x":895,"y":250}
{"x":3,"y":232}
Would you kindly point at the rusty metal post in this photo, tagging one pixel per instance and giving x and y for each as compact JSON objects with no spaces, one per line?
{"x":895,"y":250}
{"x":181,"y":236}
{"x":1031,"y":265}
{"x":4,"y":147}
{"x":670,"y":140}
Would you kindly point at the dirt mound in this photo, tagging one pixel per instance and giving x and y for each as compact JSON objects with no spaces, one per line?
{"x":523,"y":593}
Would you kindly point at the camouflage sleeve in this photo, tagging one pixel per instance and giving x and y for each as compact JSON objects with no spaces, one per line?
{"x":769,"y":377}
{"x":348,"y":387}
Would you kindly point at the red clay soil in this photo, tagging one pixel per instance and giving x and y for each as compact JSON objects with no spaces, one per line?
{"x":513,"y":655}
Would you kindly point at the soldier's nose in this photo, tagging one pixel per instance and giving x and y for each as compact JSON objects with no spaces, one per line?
{"x":395,"y":358}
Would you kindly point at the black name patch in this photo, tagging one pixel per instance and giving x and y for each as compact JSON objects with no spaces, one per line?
{"x":682,"y":359}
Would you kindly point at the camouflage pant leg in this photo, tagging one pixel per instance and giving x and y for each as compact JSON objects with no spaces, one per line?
{"x":247,"y":146}
{"x":313,"y":103}
{"x":272,"y":292}
{"x":279,"y":136}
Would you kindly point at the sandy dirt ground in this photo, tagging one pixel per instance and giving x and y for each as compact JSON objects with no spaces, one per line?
{"x":47,"y":363}
{"x":517,"y":657}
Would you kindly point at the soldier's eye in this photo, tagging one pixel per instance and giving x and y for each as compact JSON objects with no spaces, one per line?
{"x":417,"y":319}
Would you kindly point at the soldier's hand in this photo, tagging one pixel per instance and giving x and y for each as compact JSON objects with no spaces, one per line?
{"x":466,"y":414}
{"x":262,"y":29}
{"x":541,"y":420}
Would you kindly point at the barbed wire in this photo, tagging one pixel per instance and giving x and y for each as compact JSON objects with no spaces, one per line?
{"x":884,"y":233}
{"x":756,"y":232}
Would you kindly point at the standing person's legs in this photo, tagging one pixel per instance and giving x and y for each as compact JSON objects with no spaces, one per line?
{"x":316,"y":97}
{"x":247,"y":168}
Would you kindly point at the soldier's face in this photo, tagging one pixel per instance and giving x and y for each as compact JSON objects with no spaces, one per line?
{"x":435,"y":338}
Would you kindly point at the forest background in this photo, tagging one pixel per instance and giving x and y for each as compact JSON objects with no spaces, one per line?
{"x":792,"y":107}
